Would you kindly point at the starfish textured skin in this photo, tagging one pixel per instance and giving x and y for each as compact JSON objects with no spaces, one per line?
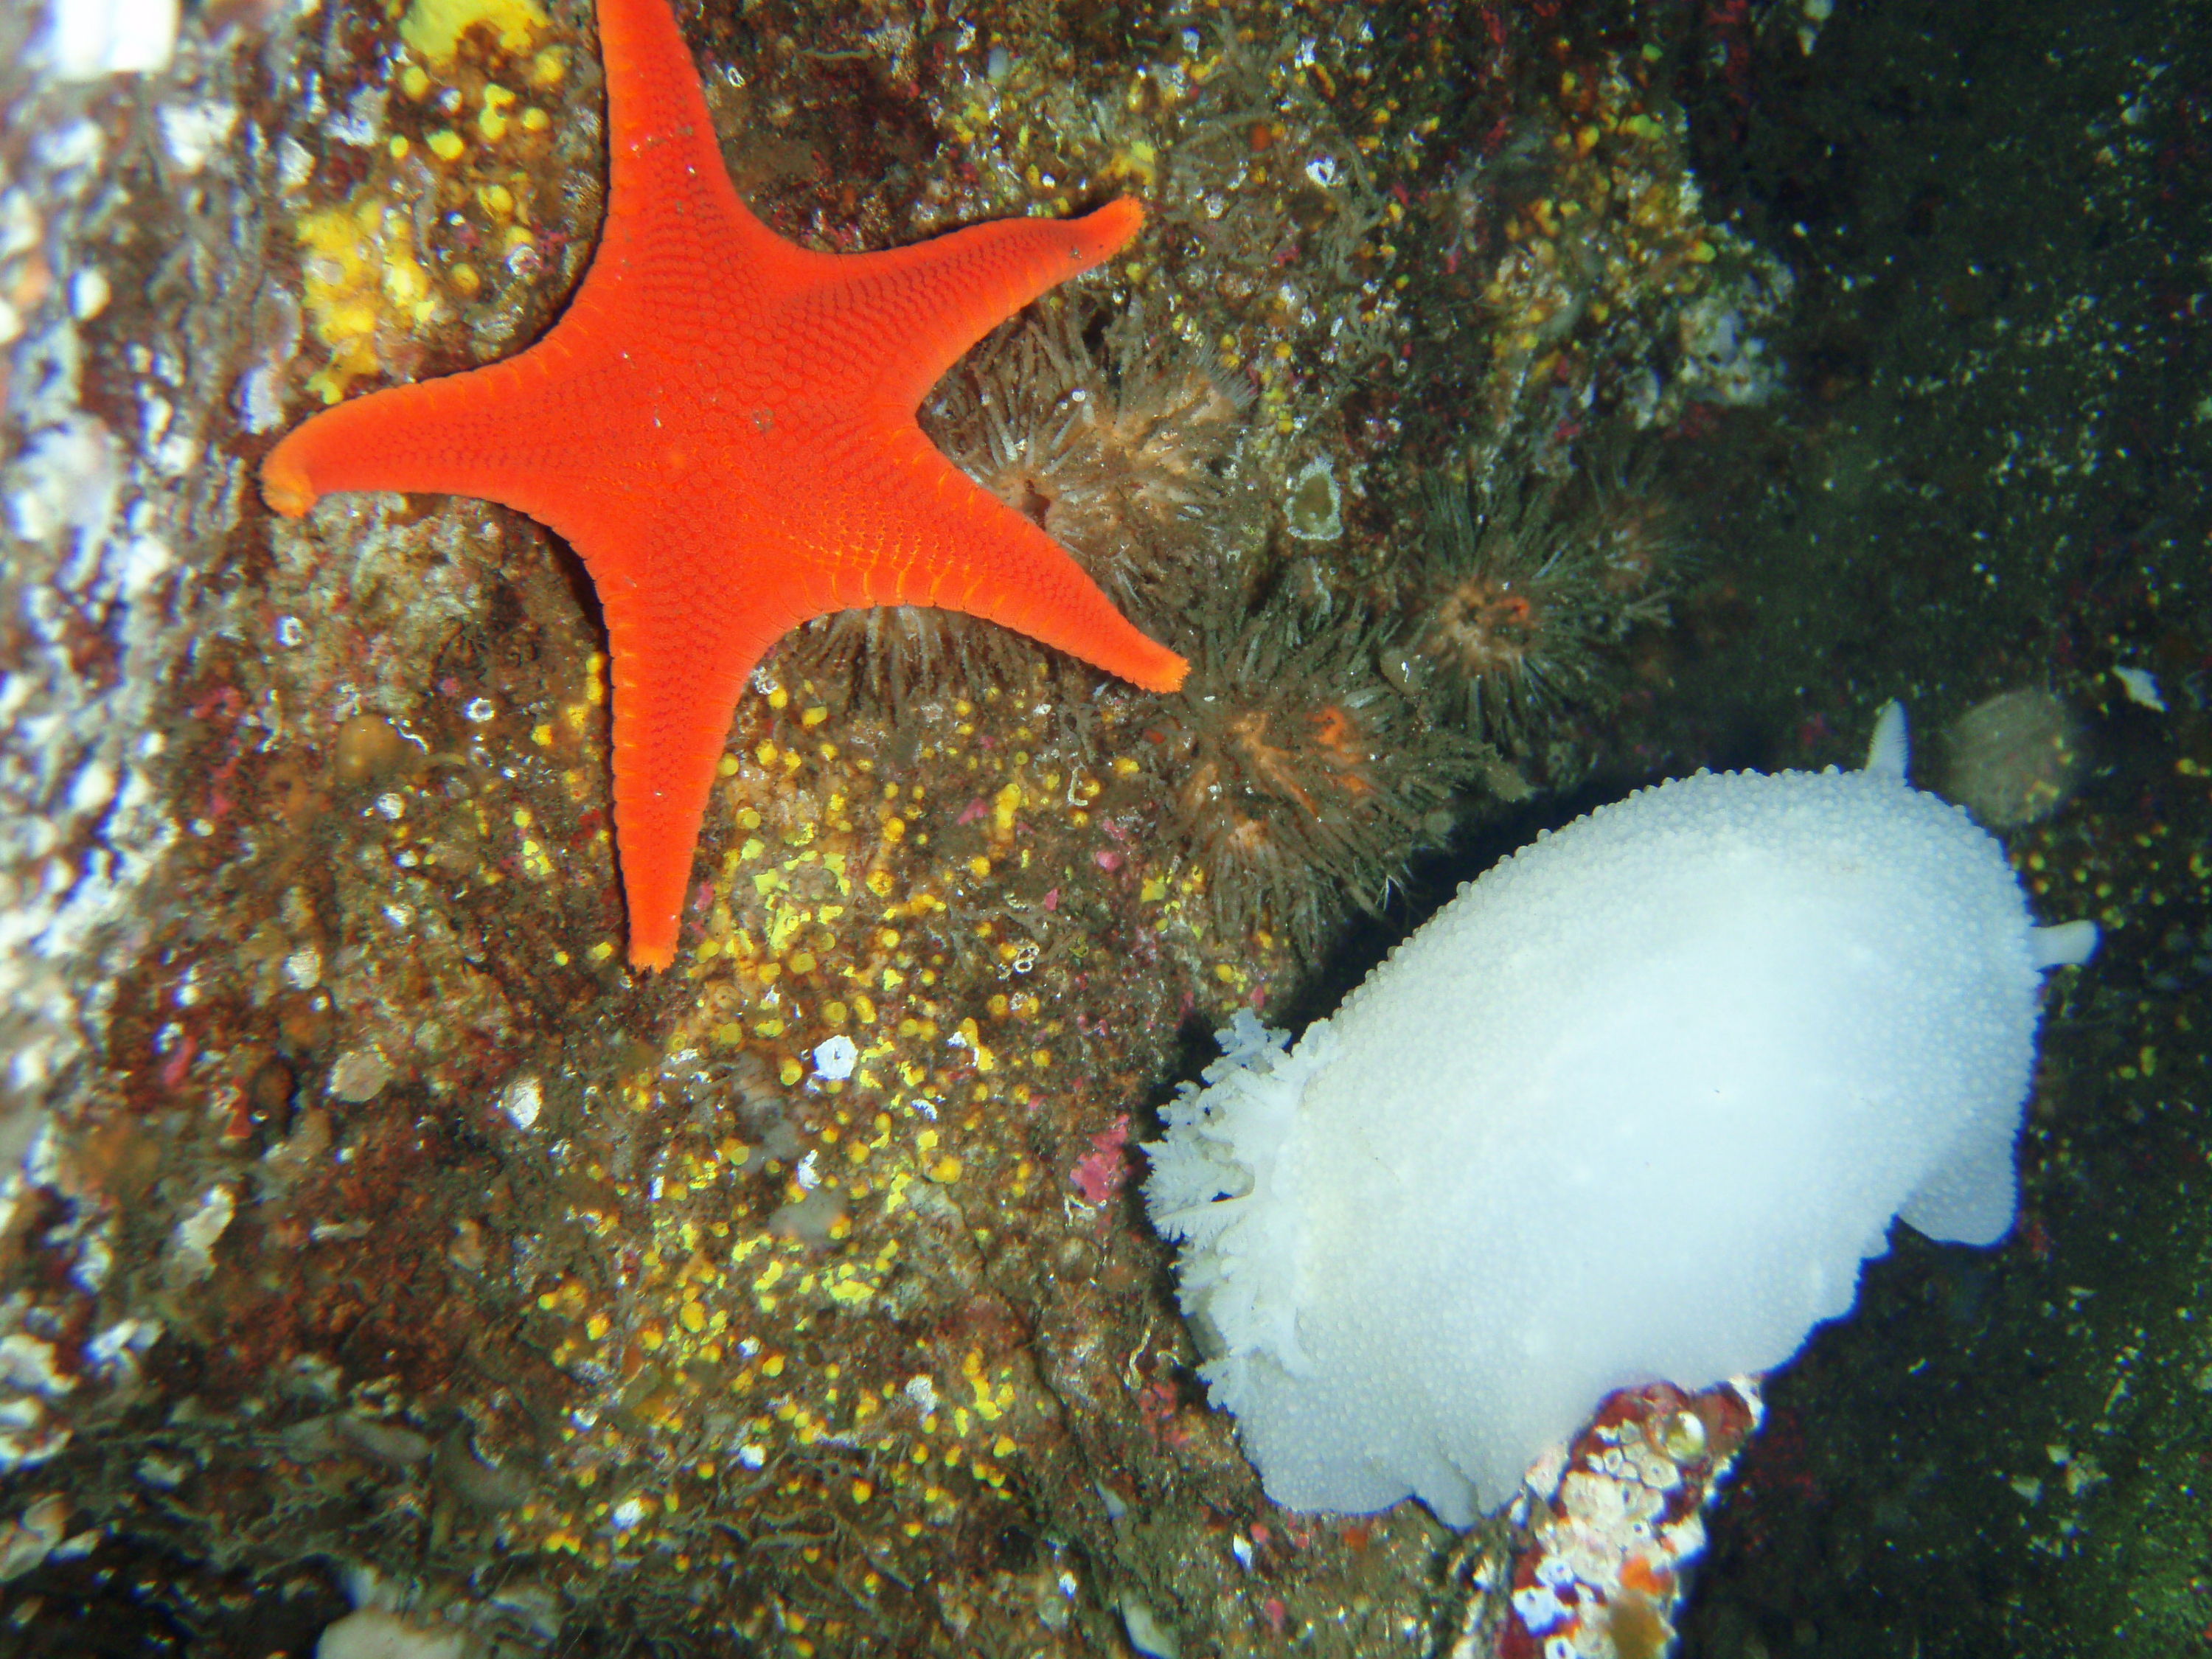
{"x":722,"y":426}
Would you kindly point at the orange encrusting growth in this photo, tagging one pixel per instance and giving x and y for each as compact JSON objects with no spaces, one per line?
{"x":722,"y":426}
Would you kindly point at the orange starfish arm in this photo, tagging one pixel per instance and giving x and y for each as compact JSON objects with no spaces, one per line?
{"x":722,"y":426}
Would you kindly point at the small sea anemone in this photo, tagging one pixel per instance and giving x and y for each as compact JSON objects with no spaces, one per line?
{"x":890,"y":653}
{"x":1294,"y":775}
{"x":1123,"y":444}
{"x":1121,"y":447}
{"x":1526,"y":584}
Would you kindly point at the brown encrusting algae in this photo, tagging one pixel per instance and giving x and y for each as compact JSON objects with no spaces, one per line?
{"x":1493,"y":410}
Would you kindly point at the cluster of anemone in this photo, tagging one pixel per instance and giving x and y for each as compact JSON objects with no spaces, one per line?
{"x":1316,"y":745}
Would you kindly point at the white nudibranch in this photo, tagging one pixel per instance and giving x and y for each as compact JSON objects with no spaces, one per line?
{"x":1632,"y":1107}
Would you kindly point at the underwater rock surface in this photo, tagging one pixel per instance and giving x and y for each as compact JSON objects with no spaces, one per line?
{"x":373,"y":1244}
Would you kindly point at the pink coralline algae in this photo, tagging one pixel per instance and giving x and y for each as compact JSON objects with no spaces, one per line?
{"x":1099,"y":1173}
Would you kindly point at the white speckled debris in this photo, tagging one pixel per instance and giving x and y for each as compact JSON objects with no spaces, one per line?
{"x":522,"y":1100}
{"x":196,"y":1234}
{"x":91,"y":39}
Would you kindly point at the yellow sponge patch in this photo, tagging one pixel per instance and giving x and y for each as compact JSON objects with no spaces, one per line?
{"x":362,"y":278}
{"x":434,"y":28}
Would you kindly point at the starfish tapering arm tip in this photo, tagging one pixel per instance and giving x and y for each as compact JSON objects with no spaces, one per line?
{"x":284,"y":483}
{"x":1114,"y":224}
{"x":1164,"y":671}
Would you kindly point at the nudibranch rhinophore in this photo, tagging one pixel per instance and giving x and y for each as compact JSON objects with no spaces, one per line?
{"x":1632,"y":1107}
